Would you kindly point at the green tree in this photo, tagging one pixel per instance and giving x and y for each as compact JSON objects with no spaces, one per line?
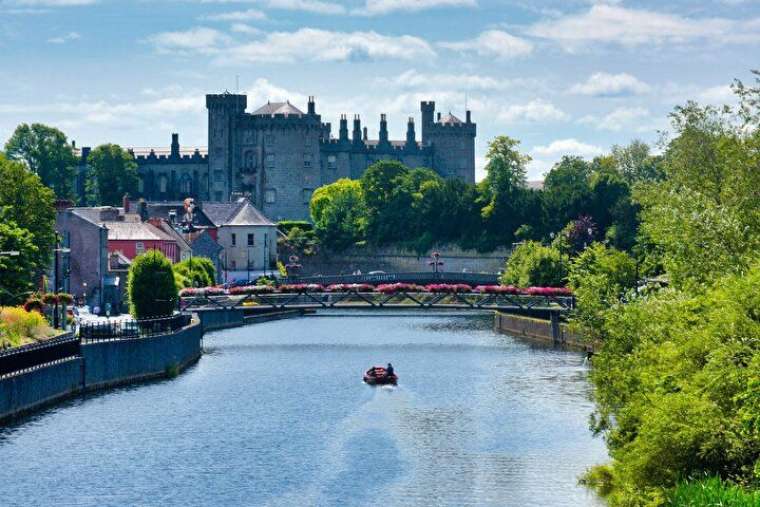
{"x":534,"y":265}
{"x":567,"y":192}
{"x":47,"y":153}
{"x":599,"y":277}
{"x":28,"y":204}
{"x":114,"y":173}
{"x":151,"y":286}
{"x":17,"y":273}
{"x":503,"y":189}
{"x":195,"y":272}
{"x":339,"y":213}
{"x":636,"y":163}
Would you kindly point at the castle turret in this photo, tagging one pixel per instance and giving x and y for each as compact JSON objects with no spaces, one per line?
{"x":175,"y":146}
{"x":311,"y":106}
{"x":365,"y":135}
{"x":343,"y":133}
{"x":428,"y":112}
{"x":357,"y":133}
{"x":383,"y":130}
{"x":411,"y":142}
{"x":223,"y":110}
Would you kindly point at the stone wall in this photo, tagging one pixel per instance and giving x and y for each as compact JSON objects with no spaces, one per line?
{"x":395,"y":260}
{"x":538,"y":329}
{"x":102,"y":364}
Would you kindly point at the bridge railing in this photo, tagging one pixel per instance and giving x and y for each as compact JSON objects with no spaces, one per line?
{"x":125,"y":329}
{"x":418,"y":278}
{"x":397,"y":299}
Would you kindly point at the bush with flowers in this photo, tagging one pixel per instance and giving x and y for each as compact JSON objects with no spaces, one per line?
{"x":449,"y":288}
{"x":393,"y":288}
{"x":251,"y":289}
{"x":297,"y":288}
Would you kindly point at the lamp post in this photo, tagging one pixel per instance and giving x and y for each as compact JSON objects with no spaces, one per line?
{"x":248,"y":263}
{"x":57,"y":287}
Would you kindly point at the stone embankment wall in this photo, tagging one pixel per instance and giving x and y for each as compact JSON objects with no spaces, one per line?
{"x":101,"y":364}
{"x":395,"y":260}
{"x":539,"y":329}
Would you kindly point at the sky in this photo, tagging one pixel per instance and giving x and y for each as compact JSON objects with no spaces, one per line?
{"x":565,"y":77}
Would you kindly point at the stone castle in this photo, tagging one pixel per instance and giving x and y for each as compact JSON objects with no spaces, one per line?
{"x":278,"y":155}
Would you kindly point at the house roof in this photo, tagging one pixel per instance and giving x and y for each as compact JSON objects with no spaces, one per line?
{"x":240,"y":212}
{"x":271,"y":108}
{"x":135,"y":231}
{"x":161,"y":210}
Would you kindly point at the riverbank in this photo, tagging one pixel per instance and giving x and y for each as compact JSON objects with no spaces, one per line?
{"x":545,"y":331}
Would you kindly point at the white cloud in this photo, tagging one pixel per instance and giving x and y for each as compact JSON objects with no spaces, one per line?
{"x":246,"y":15}
{"x":493,"y":43}
{"x":618,"y":119}
{"x":634,"y":27}
{"x":378,"y":7}
{"x":563,"y":147}
{"x":534,"y":111}
{"x":717,"y":95}
{"x":65,"y":38}
{"x":246,"y":29}
{"x":315,"y":6}
{"x":602,"y":84}
{"x":199,"y":39}
{"x":310,"y":44}
{"x":412,"y":79}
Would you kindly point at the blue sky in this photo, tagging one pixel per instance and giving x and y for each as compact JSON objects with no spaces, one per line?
{"x":563,"y":77}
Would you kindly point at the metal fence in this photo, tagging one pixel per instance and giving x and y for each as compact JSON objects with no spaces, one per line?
{"x":418,"y":278}
{"x":122,"y":329}
{"x":26,"y":357}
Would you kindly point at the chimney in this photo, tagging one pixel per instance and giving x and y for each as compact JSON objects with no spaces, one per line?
{"x":357,"y":134}
{"x":175,"y":146}
{"x":439,"y":116}
{"x":343,"y":128}
{"x":74,"y":144}
{"x":383,"y":129}
{"x":411,"y":142}
{"x":125,"y":203}
{"x":142,"y":209}
{"x":312,"y":106}
{"x":469,"y":116}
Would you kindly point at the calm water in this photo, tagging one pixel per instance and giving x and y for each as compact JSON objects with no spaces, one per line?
{"x":276,"y":415}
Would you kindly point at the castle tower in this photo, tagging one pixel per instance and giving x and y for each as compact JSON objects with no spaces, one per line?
{"x":383,"y":139}
{"x":223,"y":110}
{"x":411,"y":142}
{"x":343,"y":133}
{"x":175,"y":146}
{"x":357,"y":133}
{"x":428,"y":112}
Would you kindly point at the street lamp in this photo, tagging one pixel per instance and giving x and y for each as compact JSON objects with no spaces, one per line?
{"x":248,"y":263}
{"x":57,"y":287}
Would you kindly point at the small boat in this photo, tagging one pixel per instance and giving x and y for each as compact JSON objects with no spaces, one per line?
{"x":378,"y":376}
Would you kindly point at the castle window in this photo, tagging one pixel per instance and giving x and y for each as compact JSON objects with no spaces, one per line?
{"x":307,"y":160}
{"x":307,"y":142}
{"x":268,"y":140}
{"x":307,"y":195}
{"x":141,"y":184}
{"x":249,"y":163}
{"x":332,"y":162}
{"x":162,"y":182}
{"x":270,"y":196}
{"x":270,"y":161}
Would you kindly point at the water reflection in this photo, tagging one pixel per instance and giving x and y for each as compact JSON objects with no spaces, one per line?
{"x":275,"y":414}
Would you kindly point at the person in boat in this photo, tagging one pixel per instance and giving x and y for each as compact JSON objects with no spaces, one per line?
{"x":389,"y":370}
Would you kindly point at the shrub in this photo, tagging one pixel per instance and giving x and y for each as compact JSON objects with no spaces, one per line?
{"x":150,"y":286}
{"x":448,"y":288}
{"x":252,"y":289}
{"x":300,"y":287}
{"x":392,"y":288}
{"x":711,"y":491}
{"x":532,"y":264}
{"x":20,"y":325}
{"x":196,"y":272}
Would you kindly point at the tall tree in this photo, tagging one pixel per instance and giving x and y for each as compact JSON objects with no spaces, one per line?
{"x":567,"y":194}
{"x":29,"y":204}
{"x":47,"y":153}
{"x":114,"y":173}
{"x":339,"y":213}
{"x":17,"y":272}
{"x":636,"y":163}
{"x":503,"y":189}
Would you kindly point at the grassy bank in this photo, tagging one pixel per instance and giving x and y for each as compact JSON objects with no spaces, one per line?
{"x":712,"y":492}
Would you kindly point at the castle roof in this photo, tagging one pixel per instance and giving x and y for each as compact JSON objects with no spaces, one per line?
{"x":450,"y":119}
{"x":271,"y":108}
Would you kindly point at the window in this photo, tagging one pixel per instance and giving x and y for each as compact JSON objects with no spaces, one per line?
{"x":332,"y":162}
{"x":140,"y":248}
{"x":307,"y":195}
{"x":307,"y":143}
{"x":234,"y":239}
{"x":248,"y":162}
{"x":307,"y":160}
{"x":162,"y":182}
{"x":270,"y":161}
{"x":250,"y":240}
{"x":270,"y":196}
{"x":269,"y":140}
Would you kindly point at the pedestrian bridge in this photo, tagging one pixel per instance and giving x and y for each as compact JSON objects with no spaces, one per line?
{"x":304,"y":300}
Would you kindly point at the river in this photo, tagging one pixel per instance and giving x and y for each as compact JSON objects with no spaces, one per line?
{"x":275,"y":414}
